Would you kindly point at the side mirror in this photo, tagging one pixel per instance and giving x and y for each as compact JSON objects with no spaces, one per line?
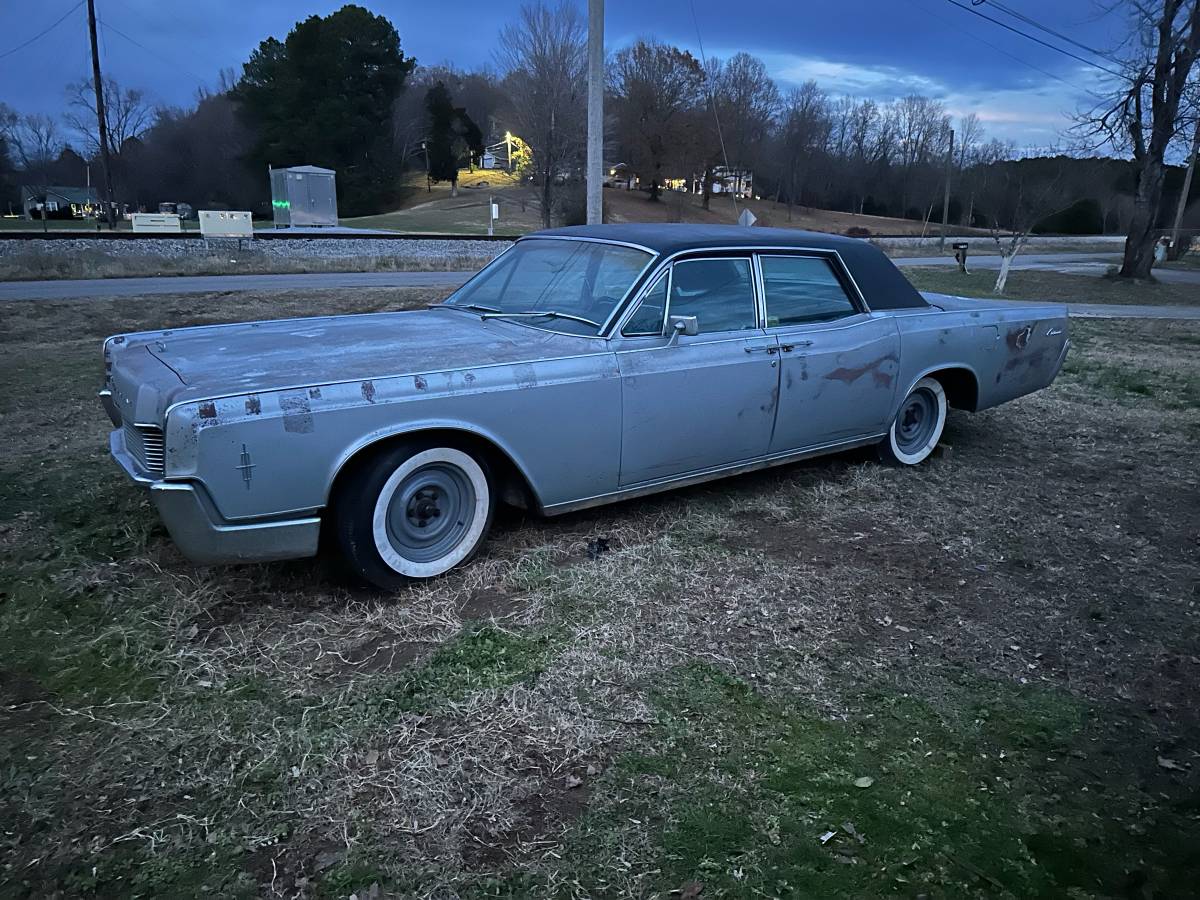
{"x":688,"y":325}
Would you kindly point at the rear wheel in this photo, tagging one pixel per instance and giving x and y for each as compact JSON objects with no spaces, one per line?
{"x":415,"y":510}
{"x":918,"y":425}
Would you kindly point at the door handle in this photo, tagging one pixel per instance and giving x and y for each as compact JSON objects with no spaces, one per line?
{"x":764,"y":349}
{"x":788,"y":348}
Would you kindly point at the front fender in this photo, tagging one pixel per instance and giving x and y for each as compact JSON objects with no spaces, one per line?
{"x":278,"y":453}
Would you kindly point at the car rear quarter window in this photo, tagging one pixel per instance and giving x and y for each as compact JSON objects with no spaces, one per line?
{"x":718,"y":292}
{"x":802,"y":289}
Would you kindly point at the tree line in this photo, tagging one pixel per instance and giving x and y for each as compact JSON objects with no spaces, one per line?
{"x":338,"y":91}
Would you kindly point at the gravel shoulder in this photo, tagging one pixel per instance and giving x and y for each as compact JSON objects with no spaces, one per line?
{"x":38,"y":260}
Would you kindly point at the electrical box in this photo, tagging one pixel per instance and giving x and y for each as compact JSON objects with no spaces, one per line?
{"x":219,"y":223}
{"x":160,"y":223}
{"x":304,"y":196}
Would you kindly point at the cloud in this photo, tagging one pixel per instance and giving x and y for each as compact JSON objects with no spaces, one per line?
{"x":1034,"y":112}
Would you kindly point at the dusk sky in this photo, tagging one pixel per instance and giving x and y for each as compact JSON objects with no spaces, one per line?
{"x":877,"y":48}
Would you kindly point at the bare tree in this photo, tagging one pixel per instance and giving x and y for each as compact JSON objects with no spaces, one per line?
{"x":747,"y":101}
{"x":804,"y":132}
{"x":410,"y":120}
{"x":33,"y":140}
{"x":1017,"y":196}
{"x":655,"y":86}
{"x":922,"y":129}
{"x":128,"y":112}
{"x":1145,"y":110}
{"x":970,"y":133}
{"x":543,"y":57}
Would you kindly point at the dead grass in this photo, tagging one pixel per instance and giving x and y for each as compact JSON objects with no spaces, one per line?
{"x":1038,"y":284}
{"x":35,"y":265}
{"x":689,"y":706}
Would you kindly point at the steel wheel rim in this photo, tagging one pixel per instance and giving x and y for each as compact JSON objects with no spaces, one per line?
{"x":430,"y":512}
{"x":916,"y":421}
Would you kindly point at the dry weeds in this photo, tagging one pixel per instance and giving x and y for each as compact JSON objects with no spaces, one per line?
{"x":308,"y":736}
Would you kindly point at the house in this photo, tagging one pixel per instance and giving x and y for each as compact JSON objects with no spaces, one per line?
{"x":739,"y":182}
{"x":58,"y":201}
{"x":621,"y":175}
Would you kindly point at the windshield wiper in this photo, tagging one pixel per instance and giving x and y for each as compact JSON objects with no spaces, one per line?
{"x":533,"y":314}
{"x":477,"y":307}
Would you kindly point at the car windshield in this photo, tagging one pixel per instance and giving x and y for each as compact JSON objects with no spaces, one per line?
{"x":559,"y":285}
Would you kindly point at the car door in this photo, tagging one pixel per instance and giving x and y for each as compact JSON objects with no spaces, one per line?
{"x":838,"y":362}
{"x":702,"y":401}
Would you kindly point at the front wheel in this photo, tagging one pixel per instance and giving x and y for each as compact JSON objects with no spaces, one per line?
{"x":918,"y":425}
{"x":413,"y":511}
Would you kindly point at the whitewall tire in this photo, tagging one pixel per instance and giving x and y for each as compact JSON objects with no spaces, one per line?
{"x":918,"y":425}
{"x":413,"y":511}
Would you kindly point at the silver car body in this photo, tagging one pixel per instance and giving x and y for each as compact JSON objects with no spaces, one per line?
{"x":240,"y":431}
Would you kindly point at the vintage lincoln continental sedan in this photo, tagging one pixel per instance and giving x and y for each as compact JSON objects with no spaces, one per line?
{"x":583,"y":366}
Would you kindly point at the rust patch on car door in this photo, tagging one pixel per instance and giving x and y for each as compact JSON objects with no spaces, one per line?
{"x":851,"y":374}
{"x":297,"y":414}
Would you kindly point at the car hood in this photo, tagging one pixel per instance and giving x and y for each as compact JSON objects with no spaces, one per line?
{"x":261,"y":356}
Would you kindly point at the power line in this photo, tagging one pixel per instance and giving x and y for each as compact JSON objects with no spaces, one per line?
{"x":1038,"y":25}
{"x":175,"y":65}
{"x":45,"y":31}
{"x":1036,"y":40}
{"x":713,"y":102}
{"x":999,"y":50}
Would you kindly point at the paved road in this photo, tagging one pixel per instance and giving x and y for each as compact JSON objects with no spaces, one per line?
{"x":196,"y":284}
{"x":1096,"y":264}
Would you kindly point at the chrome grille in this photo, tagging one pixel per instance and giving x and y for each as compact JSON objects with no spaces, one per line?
{"x":147,"y":446}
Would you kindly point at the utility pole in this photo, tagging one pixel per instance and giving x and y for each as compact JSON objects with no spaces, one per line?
{"x":594,"y":176}
{"x":100,"y":118}
{"x":1183,"y":197}
{"x":946,"y":194}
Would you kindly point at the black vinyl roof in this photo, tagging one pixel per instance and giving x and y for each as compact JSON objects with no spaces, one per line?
{"x":881,"y":283}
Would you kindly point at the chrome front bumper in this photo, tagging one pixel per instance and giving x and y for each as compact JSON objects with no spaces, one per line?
{"x":203,"y":536}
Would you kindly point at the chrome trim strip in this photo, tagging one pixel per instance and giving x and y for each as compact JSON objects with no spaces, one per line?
{"x":760,"y":290}
{"x":541,"y":236}
{"x":851,"y":321}
{"x":311,"y":384}
{"x":763,"y":462}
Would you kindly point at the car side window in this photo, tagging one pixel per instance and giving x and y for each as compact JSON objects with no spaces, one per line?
{"x":802,"y":289}
{"x":718,"y":292}
{"x":648,"y":317}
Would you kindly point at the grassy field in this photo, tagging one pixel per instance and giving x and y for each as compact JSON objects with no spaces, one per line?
{"x":1190,"y":261}
{"x":975,"y":678}
{"x":1037,"y":284}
